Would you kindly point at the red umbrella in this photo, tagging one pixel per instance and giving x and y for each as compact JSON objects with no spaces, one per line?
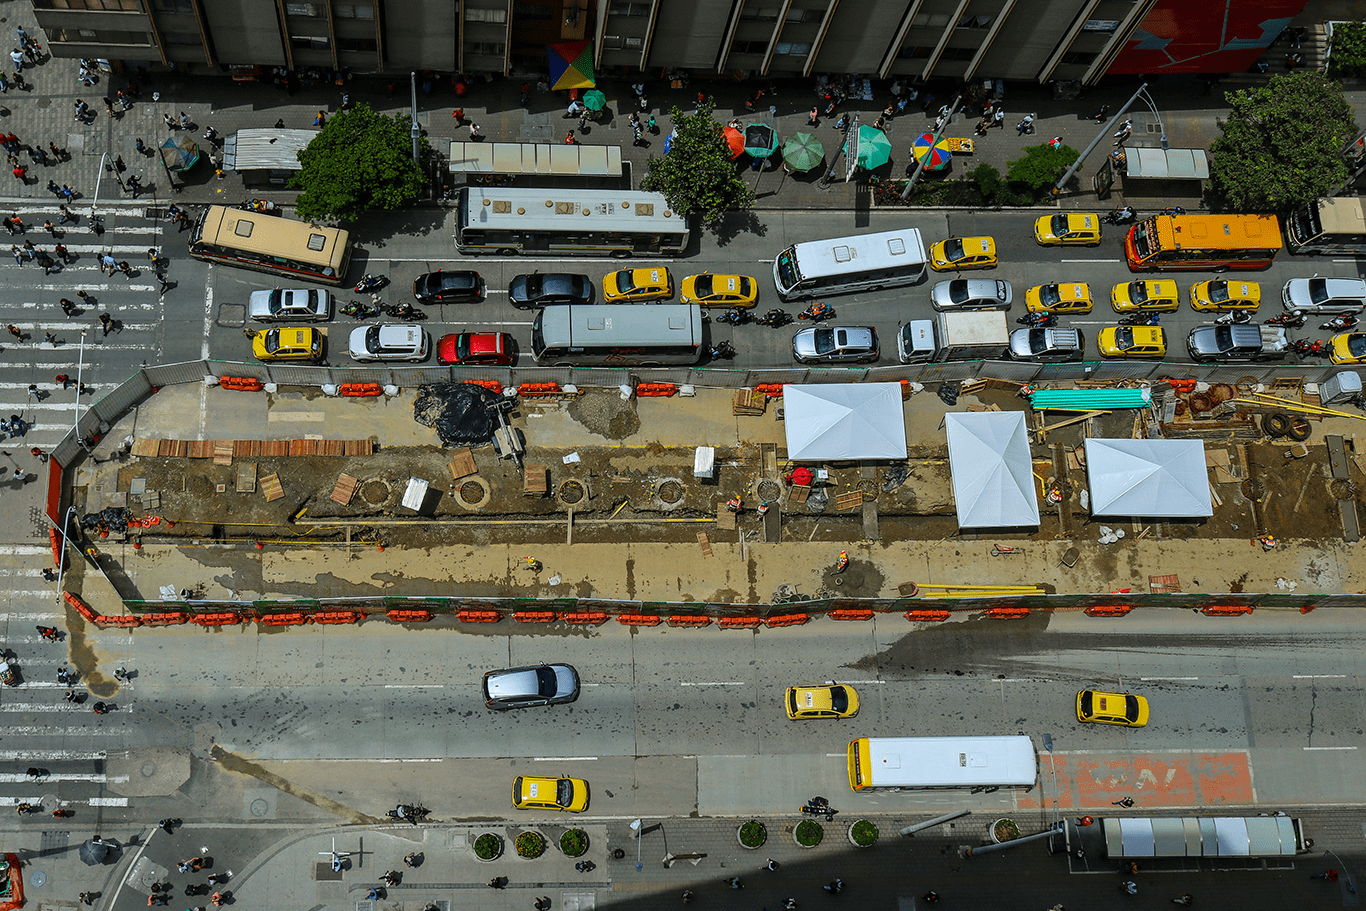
{"x":735,"y":141}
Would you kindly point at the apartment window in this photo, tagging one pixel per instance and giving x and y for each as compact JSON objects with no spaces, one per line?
{"x":1101,"y":25}
{"x":174,"y":6}
{"x":303,"y":9}
{"x":184,"y":39}
{"x":366,"y":45}
{"x":760,"y":14}
{"x":129,"y":5}
{"x":486,"y":15}
{"x":930,"y":20}
{"x":740,"y":46}
{"x":353,"y":11}
{"x":976,"y":21}
{"x":805,"y":15}
{"x":1078,"y":58}
{"x":100,"y":36}
{"x":488,"y":48}
{"x":309,"y":42}
{"x":792,"y":49}
{"x":623,"y":8}
{"x":958,"y":53}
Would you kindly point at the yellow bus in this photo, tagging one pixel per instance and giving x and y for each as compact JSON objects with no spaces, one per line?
{"x":1204,"y":242}
{"x":269,"y":243}
{"x":896,"y":763}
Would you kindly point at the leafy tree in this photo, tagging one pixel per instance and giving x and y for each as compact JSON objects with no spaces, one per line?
{"x":1281,"y":146}
{"x":1035,"y":174}
{"x":698,"y":176}
{"x":1347,"y":55}
{"x":361,"y":160}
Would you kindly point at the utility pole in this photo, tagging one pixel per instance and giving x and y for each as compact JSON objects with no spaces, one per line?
{"x":417,"y":130}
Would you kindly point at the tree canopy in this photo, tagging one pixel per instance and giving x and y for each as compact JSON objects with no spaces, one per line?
{"x":1348,"y":54}
{"x":698,"y":176}
{"x":1281,"y":145}
{"x":1034,"y":175}
{"x":360,"y":161}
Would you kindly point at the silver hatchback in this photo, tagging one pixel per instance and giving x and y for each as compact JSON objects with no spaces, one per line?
{"x":538,"y":684}
{"x":972,"y":294}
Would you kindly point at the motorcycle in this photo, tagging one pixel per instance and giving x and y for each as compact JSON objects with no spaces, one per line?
{"x":1124,"y":216}
{"x":817,"y":313}
{"x":1039,"y":320}
{"x":722,"y":350}
{"x":7,"y":675}
{"x":1294,"y":319}
{"x":733,"y":317}
{"x":1340,"y":322}
{"x":359,"y":310}
{"x":371,"y":283}
{"x":1234,"y":318}
{"x":1140,"y":319}
{"x":819,"y":806}
{"x":405,"y":312}
{"x":1173,"y":210}
{"x":1305,"y":348}
{"x":777,"y":318}
{"x":49,"y":633}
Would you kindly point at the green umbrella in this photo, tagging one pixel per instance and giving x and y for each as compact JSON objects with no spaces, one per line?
{"x":594,"y":100}
{"x":802,"y":152}
{"x":761,"y":140}
{"x":179,"y":155}
{"x":874,"y":148}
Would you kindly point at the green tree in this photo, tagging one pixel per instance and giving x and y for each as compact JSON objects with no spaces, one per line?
{"x":359,"y":162}
{"x":698,"y":176}
{"x":1035,"y":174}
{"x":1281,"y":145}
{"x":1347,"y":53}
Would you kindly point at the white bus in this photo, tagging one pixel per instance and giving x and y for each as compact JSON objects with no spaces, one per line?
{"x":840,"y":265}
{"x":508,"y":221}
{"x":942,"y":762}
{"x":652,"y":335}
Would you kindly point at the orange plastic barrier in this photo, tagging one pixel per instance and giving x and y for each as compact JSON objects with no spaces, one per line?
{"x":124,"y":621}
{"x":1182,"y":386}
{"x":81,"y":606}
{"x":227,"y":618}
{"x":739,"y":622}
{"x":593,"y":617}
{"x":1307,"y":608}
{"x":772,"y":390}
{"x":786,"y":620}
{"x":1226,"y":610}
{"x":687,"y":620}
{"x":171,"y":618}
{"x":928,"y":616}
{"x":532,"y":390}
{"x":859,"y":614}
{"x":491,"y":385}
{"x":409,"y":616}
{"x":638,"y":620}
{"x":479,"y":616}
{"x":339,"y":616}
{"x":1108,"y":610}
{"x":241,"y":383}
{"x":57,"y":550}
{"x":287,"y":618}
{"x":361,"y":389}
{"x":647,"y":390}
{"x":534,"y":616}
{"x":1007,"y":613}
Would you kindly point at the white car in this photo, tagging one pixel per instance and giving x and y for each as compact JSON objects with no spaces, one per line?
{"x":290,"y":304}
{"x":390,"y":343}
{"x":971,"y":294}
{"x":1324,"y":295}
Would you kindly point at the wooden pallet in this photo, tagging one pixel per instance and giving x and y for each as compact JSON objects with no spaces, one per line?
{"x":799,"y":493}
{"x":705,"y":543}
{"x":144,"y":448}
{"x":271,"y":489}
{"x":851,"y":500}
{"x":462,"y":464}
{"x":537,"y":481}
{"x":1164,"y":583}
{"x":246,"y":477}
{"x":724,"y":517}
{"x":749,"y":402}
{"x":222,"y":452}
{"x":345,"y":489}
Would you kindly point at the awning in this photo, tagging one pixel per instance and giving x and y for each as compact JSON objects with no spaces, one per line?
{"x":993,"y":472}
{"x":260,"y":150}
{"x":1164,"y":478}
{"x":1174,"y":164}
{"x":844,"y":421}
{"x":535,"y":158}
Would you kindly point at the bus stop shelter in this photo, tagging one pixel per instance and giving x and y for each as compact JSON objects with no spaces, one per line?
{"x":530,"y":158}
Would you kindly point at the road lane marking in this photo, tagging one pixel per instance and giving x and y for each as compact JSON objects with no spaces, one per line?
{"x":411,"y":686}
{"x":564,"y":759}
{"x":276,"y":415}
{"x":1327,"y":749}
{"x":1168,"y":678}
{"x":713,"y":683}
{"x":1317,"y":676}
{"x":52,"y":755}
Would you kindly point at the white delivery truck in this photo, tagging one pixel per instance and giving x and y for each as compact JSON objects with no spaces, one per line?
{"x":954,"y":336}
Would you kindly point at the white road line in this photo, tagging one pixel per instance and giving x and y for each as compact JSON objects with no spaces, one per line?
{"x":1328,"y":749}
{"x":1168,"y":678}
{"x":1317,"y":676}
{"x":47,"y":732}
{"x":51,"y":755}
{"x":713,"y":683}
{"x":495,"y":291}
{"x":45,"y":707}
{"x":108,"y":801}
{"x":208,"y":313}
{"x":564,"y":759}
{"x":494,"y":323}
{"x":413,"y":686}
{"x":9,"y":777}
{"x":21,"y":549}
{"x":1090,"y":260}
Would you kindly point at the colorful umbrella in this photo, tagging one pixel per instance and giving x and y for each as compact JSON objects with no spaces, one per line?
{"x":179,"y":155}
{"x":802,"y":152}
{"x":936,"y":155}
{"x":571,"y":65}
{"x":874,"y":148}
{"x":594,"y":100}
{"x":735,"y":141}
{"x":761,"y":140}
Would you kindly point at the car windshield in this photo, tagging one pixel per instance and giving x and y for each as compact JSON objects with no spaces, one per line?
{"x":1139,"y":292}
{"x":1318,"y":290}
{"x":1356,"y":344}
{"x":1223,"y":338}
{"x":272,"y":341}
{"x":462,"y":346}
{"x":1086,"y":702}
{"x":1124,"y":338}
{"x":564,"y":792}
{"x":744,"y":286}
{"x":1131,"y":708}
{"x":546,"y":684}
{"x":953,"y":249}
{"x":1218,"y":292}
{"x":824,"y":340}
{"x":958,"y":291}
{"x":626,"y":280}
{"x":1058,"y":225}
{"x":703,"y":285}
{"x":372,"y":340}
{"x":1038,"y":341}
{"x":534,"y":284}
{"x":1048,"y":295}
{"x":839,"y":699}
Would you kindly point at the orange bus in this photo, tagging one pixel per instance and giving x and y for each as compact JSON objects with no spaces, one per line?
{"x":1188,"y":242}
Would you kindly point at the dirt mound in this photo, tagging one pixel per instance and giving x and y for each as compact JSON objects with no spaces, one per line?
{"x":603,"y":412}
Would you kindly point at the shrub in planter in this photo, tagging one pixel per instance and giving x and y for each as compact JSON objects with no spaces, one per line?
{"x":808,"y":833}
{"x":1005,"y":829}
{"x":753,"y":834}
{"x":574,"y":842}
{"x":863,"y":833}
{"x":530,"y":844}
{"x":488,"y":846}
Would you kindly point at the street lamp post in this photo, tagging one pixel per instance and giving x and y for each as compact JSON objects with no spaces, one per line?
{"x":416,"y":130}
{"x":76,"y":421}
{"x":1076,"y":165}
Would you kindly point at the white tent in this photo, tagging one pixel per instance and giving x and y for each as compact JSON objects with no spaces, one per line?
{"x":1148,"y":478}
{"x":844,"y":421}
{"x":993,"y":473}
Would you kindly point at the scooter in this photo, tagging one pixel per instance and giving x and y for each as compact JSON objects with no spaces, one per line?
{"x":1234,"y":318}
{"x":1140,"y":319}
{"x":1293,"y":319}
{"x":817,"y":313}
{"x":722,"y":351}
{"x":1340,"y":322}
{"x":1305,"y":348}
{"x":7,"y":675}
{"x":49,"y":633}
{"x":1039,"y":320}
{"x":819,"y":806}
{"x":405,"y":311}
{"x":371,"y":283}
{"x":359,"y":310}
{"x":1123,"y":216}
{"x":777,"y":318}
{"x":1173,"y":210}
{"x":733,"y":317}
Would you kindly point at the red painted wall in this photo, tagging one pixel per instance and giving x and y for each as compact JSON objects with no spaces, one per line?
{"x":1215,"y":36}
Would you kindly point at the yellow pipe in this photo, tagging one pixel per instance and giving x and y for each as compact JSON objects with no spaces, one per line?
{"x":980,"y":587}
{"x":1312,"y":409}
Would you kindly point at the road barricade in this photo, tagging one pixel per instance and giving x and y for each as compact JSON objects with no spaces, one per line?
{"x":360,"y":390}
{"x":169,"y":618}
{"x":689,"y":620}
{"x":223,"y":618}
{"x":409,"y":616}
{"x":491,"y":385}
{"x":122,"y":620}
{"x":478,"y":616}
{"x":649,"y":390}
{"x":241,"y":383}
{"x":339,"y":616}
{"x":538,"y":390}
{"x":740,"y":622}
{"x":1226,"y":610}
{"x":1108,"y":610}
{"x":637,"y":620}
{"x":772,"y":390}
{"x":786,"y":620}
{"x":928,"y":616}
{"x":286,"y":618}
{"x":851,"y":614}
{"x":1007,"y":613}
{"x":85,"y":609}
{"x":584,"y":618}
{"x":534,"y":616}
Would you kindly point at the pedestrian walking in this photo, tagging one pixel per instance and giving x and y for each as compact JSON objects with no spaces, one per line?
{"x":9,"y":226}
{"x":1123,"y":132}
{"x":141,"y":146}
{"x":459,"y":115}
{"x":185,"y":122}
{"x":61,"y":250}
{"x":18,"y":57}
{"x":67,"y":193}
{"x":119,"y":166}
{"x":14,"y":331}
{"x":1055,"y":142}
{"x":813,"y":116}
{"x":20,"y":173}
{"x":498,"y":882}
{"x":1101,"y":115}
{"x":790,"y":904}
{"x":64,"y":215}
{"x":50,"y":228}
{"x":835,"y":886}
{"x":1185,"y":898}
{"x":321,"y":119}
{"x":50,"y":339}
{"x":46,"y":261}
{"x":687,"y":896}
{"x":29,"y":249}
{"x":126,"y":269}
{"x":84,"y":296}
{"x":1129,"y":887}
{"x":18,"y":78}
{"x":105,"y":322}
{"x":930,"y":897}
{"x":51,"y":188}
{"x":569,"y":139}
{"x":735,"y":883}
{"x":772,"y":865}
{"x":1125,"y":802}
{"x":542,"y":903}
{"x":57,"y":153}
{"x":182,"y":220}
{"x":109,"y":105}
{"x":65,"y":382}
{"x":98,"y":226}
{"x":107,"y":264}
{"x":20,"y":34}
{"x":134,"y":185}
{"x":18,"y":254}
{"x":68,"y":307}
{"x":475,"y":135}
{"x":18,"y":223}
{"x":18,"y":474}
{"x":170,"y":122}
{"x":280,"y":124}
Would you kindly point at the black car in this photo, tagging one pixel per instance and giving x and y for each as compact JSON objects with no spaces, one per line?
{"x":542,"y":288}
{"x":462,"y":287}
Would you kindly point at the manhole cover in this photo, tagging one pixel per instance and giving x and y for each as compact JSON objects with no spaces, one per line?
{"x":1254,"y":489}
{"x":374,"y":491}
{"x":768,"y":490}
{"x":572,"y":491}
{"x":149,"y":769}
{"x":260,"y":807}
{"x":1342,"y":489}
{"x":471,"y":491}
{"x":869,"y":489}
{"x":671,"y":492}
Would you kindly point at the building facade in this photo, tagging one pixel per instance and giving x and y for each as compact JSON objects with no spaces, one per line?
{"x":1019,"y":40}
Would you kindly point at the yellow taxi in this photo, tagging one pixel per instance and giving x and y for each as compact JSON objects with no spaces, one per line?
{"x":1347,"y":348}
{"x":292,"y":343}
{"x":1068,"y":228}
{"x":1222,"y":294}
{"x":719,"y":290}
{"x":1132,"y":341}
{"x":1059,"y":297}
{"x":652,"y":284}
{"x":959,"y":253}
{"x":832,"y":700}
{"x":569,"y":794}
{"x":1125,"y":709}
{"x":1145,"y":294}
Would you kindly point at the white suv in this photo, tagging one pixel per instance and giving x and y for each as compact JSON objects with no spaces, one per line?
{"x":1324,"y":295}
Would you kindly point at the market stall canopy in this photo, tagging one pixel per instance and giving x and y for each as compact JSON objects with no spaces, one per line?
{"x":1166,"y":478}
{"x":93,"y":851}
{"x":844,"y":421}
{"x":259,"y":150}
{"x":993,"y":472}
{"x":873,"y":149}
{"x":571,"y":65}
{"x":935,"y":153}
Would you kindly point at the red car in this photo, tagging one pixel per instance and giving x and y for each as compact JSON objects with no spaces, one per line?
{"x":495,"y":349}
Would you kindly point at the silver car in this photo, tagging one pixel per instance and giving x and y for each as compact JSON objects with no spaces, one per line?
{"x":835,"y":345}
{"x":390,"y":343}
{"x":539,"y":684}
{"x":290,"y":305}
{"x":1324,"y":295}
{"x":1049,"y":345}
{"x":972,"y":294}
